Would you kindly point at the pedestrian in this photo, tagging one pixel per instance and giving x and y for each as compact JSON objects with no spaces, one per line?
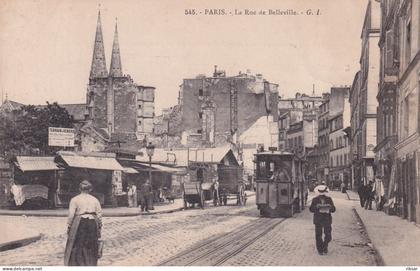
{"x":343,"y":187}
{"x":145,"y":196}
{"x":362,"y":195}
{"x":322,"y":206}
{"x":369,"y":195}
{"x":130,"y":196}
{"x":134,"y":199}
{"x":84,"y":228}
{"x":215,"y":191}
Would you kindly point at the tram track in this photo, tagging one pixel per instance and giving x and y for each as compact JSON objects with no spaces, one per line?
{"x":219,"y":249}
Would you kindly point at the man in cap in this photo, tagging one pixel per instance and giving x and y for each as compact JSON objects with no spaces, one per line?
{"x":322,"y":206}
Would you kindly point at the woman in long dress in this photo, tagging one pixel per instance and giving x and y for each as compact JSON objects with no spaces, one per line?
{"x":84,"y":228}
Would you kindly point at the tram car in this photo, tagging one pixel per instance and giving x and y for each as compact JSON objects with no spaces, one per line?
{"x":279,"y":183}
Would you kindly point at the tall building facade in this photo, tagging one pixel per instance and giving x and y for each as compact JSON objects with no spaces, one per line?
{"x":385,"y":153}
{"x":408,"y":128}
{"x":322,"y":150}
{"x":217,"y":110}
{"x":363,"y":98}
{"x":339,"y":146}
{"x":115,"y":104}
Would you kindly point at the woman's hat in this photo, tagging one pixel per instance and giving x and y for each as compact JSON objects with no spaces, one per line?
{"x":85,"y":186}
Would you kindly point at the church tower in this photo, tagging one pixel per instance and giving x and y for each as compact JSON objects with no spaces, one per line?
{"x":115,"y":69}
{"x":98,"y":67}
{"x":116,"y":105}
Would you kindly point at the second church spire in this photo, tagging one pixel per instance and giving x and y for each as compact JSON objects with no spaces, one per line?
{"x":116,"y":69}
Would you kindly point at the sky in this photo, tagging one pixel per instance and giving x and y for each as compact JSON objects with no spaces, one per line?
{"x":46,"y":45}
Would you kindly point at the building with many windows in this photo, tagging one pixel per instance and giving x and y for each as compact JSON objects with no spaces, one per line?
{"x":408,"y":145}
{"x":387,"y":95}
{"x":363,"y":99}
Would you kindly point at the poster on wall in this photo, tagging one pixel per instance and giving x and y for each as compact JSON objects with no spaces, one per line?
{"x":117,"y":182}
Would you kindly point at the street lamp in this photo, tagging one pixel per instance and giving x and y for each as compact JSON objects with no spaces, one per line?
{"x":150,"y":149}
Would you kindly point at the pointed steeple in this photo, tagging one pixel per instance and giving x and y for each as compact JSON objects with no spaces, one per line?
{"x":98,"y":68}
{"x":115,"y":70}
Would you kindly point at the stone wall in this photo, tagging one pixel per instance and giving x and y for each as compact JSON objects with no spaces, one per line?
{"x":98,"y":87}
{"x":125,"y":107}
{"x":251,"y":104}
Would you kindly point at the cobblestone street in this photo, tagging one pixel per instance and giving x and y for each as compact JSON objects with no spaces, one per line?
{"x":148,"y":240}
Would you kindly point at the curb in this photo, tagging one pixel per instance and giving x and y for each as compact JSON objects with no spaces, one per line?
{"x":378,"y":257}
{"x":348,"y":197}
{"x":103,"y":215}
{"x":19,"y":243}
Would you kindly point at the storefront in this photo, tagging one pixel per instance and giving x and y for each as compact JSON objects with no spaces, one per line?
{"x":163,"y":177}
{"x":101,"y":169}
{"x":34,"y":182}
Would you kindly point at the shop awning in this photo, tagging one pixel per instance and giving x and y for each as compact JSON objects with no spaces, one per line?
{"x":170,"y":169}
{"x":130,"y":170}
{"x":33,"y":163}
{"x":104,"y":163}
{"x":161,"y":168}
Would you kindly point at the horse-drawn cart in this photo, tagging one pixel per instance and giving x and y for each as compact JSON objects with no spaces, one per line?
{"x":193,"y":194}
{"x":231,"y":185}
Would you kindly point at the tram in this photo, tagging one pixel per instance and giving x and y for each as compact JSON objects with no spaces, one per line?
{"x":280,"y":187}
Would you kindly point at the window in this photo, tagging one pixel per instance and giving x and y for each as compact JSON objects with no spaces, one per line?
{"x":408,"y":43}
{"x":139,"y":122}
{"x":200,"y":92}
{"x":139,"y":106}
{"x":199,"y":131}
{"x":262,"y":170}
{"x":200,"y":115}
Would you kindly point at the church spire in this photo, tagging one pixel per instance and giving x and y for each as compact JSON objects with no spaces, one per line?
{"x":98,"y":68}
{"x":115,"y":70}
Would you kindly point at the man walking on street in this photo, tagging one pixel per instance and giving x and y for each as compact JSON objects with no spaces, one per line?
{"x":362,"y":196}
{"x":145,"y":194}
{"x":322,"y":206}
{"x":369,"y":194}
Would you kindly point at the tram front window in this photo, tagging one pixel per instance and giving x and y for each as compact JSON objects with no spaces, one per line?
{"x":262,"y":170}
{"x":266,"y":169}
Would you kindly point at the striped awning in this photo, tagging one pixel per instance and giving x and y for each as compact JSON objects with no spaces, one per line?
{"x":92,"y":162}
{"x":130,"y":170}
{"x":34,"y":163}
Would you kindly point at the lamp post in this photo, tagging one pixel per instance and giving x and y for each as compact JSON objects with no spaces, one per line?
{"x":150,"y":149}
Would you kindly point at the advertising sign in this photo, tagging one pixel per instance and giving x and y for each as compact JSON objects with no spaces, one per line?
{"x":61,"y":137}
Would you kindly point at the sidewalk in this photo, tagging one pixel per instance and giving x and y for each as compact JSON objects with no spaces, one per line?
{"x":160,"y":208}
{"x":17,"y":236}
{"x":395,"y":239}
{"x":106,"y":212}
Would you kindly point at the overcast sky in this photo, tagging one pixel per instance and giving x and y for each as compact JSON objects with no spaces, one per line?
{"x":46,"y":45}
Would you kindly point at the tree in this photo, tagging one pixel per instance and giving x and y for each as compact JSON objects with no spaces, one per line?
{"x":25,"y":131}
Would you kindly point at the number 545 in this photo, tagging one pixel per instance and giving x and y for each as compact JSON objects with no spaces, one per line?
{"x":190,"y":12}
